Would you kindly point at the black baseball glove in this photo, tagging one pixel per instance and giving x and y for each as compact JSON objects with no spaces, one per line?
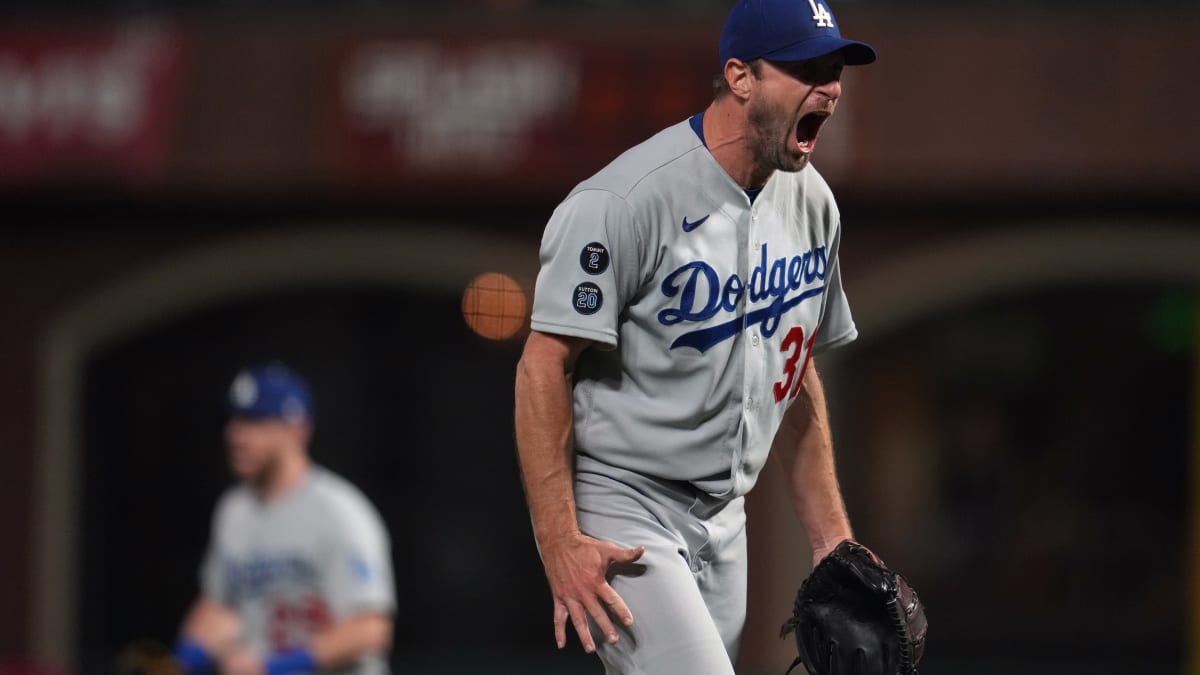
{"x":854,"y":616}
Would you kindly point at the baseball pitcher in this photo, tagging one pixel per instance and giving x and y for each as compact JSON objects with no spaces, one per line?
{"x":683,"y":290}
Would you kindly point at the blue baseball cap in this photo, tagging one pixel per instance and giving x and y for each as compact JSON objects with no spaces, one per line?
{"x":270,"y":392}
{"x":787,"y":30}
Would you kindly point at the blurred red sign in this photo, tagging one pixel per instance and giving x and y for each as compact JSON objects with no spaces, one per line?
{"x":516,"y":112}
{"x":87,"y":102}
{"x":31,"y":669}
{"x":436,"y":109}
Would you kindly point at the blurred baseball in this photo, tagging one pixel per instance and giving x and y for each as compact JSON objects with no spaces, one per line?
{"x":494,"y":306}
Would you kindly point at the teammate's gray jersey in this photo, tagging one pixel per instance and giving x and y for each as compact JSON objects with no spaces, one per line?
{"x":708,"y":307}
{"x":293,"y":565}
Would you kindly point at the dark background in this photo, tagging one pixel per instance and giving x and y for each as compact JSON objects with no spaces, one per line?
{"x":189,"y":187}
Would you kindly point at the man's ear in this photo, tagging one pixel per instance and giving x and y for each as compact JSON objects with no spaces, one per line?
{"x":739,"y":76}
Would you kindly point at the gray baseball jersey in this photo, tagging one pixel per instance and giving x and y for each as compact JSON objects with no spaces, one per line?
{"x":291,"y":566}
{"x":707,"y":307}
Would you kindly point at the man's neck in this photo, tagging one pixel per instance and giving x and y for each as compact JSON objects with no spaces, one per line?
{"x":288,"y":474}
{"x":728,"y":138}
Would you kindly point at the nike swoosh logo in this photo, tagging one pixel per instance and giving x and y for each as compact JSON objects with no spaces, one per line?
{"x":688,"y":227}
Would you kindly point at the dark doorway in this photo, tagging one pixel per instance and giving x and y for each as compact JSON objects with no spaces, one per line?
{"x":411,"y":407}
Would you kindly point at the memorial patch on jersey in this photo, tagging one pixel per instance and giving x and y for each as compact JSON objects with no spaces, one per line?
{"x":594,"y":258}
{"x":587,"y":298}
{"x":702,"y":295}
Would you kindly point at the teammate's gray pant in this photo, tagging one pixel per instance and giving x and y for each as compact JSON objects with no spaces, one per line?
{"x":688,"y":592}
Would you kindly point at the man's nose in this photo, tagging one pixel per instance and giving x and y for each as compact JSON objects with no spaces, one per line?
{"x":831,"y":89}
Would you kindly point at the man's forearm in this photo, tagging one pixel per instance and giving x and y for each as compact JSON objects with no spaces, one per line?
{"x":211,"y":626}
{"x":209,"y":631}
{"x":811,"y":473}
{"x":344,"y":642}
{"x":543,"y":429}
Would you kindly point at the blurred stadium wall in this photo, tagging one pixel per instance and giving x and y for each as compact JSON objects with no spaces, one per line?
{"x":188,"y":187}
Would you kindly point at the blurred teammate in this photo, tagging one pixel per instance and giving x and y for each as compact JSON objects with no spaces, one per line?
{"x":298,"y":575}
{"x":683,"y":290}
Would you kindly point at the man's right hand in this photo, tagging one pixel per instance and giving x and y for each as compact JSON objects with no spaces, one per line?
{"x":241,"y":661}
{"x":577,"y":568}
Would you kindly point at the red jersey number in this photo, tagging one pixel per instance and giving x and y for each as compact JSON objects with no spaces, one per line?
{"x":794,"y":342}
{"x":292,"y":623}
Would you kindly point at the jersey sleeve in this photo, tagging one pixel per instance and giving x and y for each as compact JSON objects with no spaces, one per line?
{"x":837,"y":323}
{"x":358,"y":575}
{"x":590,"y":267}
{"x":214,"y":581}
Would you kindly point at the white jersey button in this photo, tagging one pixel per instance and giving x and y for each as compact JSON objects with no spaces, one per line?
{"x":754,"y":339}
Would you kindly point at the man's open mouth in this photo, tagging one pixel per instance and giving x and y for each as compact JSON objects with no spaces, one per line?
{"x":807,"y":129}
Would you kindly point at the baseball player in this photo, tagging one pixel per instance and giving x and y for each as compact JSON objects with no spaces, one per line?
{"x":682,"y":292}
{"x":298,"y":575}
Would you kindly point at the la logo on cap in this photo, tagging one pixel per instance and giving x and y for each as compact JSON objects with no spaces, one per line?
{"x":244,"y":390}
{"x":821,"y":15}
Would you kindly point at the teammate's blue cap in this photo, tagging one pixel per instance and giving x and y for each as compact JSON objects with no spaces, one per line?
{"x":270,"y":392}
{"x":787,"y":30}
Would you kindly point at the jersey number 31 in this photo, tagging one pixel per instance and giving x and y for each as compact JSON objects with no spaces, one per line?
{"x":794,"y":342}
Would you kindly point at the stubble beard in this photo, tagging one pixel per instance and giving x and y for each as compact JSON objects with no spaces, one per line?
{"x":773,"y":129}
{"x":265,"y":477}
